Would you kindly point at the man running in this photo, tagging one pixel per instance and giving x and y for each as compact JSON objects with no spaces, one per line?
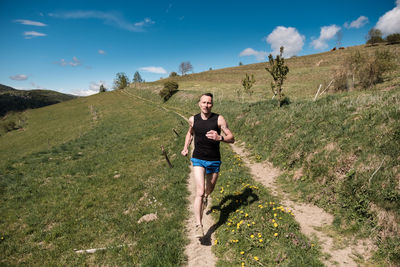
{"x":206,"y":159}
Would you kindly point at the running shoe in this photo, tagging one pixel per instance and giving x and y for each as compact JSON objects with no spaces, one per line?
{"x":198,"y":232}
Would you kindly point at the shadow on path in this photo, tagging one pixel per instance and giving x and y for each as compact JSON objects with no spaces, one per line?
{"x":246,"y":198}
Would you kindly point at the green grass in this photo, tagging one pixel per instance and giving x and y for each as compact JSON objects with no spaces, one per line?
{"x":251,"y":226}
{"x":88,"y":189}
{"x":329,"y":149}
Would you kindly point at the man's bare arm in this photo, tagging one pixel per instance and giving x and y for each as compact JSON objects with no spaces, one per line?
{"x":229,"y":138}
{"x":188,"y":138}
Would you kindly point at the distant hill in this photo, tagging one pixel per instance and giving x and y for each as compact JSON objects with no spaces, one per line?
{"x":18,"y":100}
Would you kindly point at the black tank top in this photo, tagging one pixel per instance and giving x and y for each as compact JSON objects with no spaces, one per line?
{"x":204,"y":148}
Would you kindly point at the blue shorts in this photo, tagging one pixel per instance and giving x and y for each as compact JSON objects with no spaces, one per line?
{"x":210,"y":166}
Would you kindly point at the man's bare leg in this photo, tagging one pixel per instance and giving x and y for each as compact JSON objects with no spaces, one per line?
{"x":211,"y":182}
{"x":199,"y":173}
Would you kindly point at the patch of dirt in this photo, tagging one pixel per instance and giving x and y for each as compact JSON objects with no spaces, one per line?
{"x":199,"y":252}
{"x":148,"y":218}
{"x":309,"y":217}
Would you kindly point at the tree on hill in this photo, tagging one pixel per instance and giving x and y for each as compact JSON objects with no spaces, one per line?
{"x":278,"y":71}
{"x":393,"y":38}
{"x":170,"y":88}
{"x":173,"y":74}
{"x":121,"y":81}
{"x":102,"y":89}
{"x":374,"y":36}
{"x":137,"y":78}
{"x":185,"y":67}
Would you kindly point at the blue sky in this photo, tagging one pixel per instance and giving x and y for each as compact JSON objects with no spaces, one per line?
{"x":74,"y":46}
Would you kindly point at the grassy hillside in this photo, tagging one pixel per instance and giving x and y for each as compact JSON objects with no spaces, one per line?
{"x":19,"y":100}
{"x":340,"y":152}
{"x":82,"y":174}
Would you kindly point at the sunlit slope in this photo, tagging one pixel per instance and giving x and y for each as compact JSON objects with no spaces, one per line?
{"x":306,"y":73}
{"x":340,"y":152}
{"x":81,"y":175}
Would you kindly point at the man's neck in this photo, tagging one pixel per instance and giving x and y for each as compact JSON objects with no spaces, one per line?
{"x":205,"y":116}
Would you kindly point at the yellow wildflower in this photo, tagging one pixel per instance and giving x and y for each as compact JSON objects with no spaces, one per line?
{"x":216,"y":241}
{"x":252,"y":236}
{"x":260,"y":240}
{"x":256,"y":258}
{"x":259,"y":235}
{"x":275,"y":225}
{"x":246,"y":215}
{"x":242,"y":252}
{"x":276,"y":234}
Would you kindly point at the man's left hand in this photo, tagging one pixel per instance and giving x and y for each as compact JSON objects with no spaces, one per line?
{"x":213,"y":135}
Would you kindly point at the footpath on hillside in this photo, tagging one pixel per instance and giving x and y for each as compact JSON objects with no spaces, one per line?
{"x":198,"y":251}
{"x":311,"y":218}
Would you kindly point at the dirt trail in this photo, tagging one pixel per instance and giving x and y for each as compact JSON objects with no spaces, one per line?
{"x":308,"y":216}
{"x":198,"y":250}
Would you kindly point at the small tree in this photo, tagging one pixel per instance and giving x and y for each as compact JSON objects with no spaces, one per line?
{"x":278,"y":71}
{"x":374,"y":36}
{"x":173,"y":74}
{"x":102,"y":89}
{"x":185,"y":67}
{"x":393,"y":38}
{"x":121,"y":81}
{"x":137,"y":78}
{"x":169,"y":89}
{"x":247,"y":83}
{"x":240,"y":63}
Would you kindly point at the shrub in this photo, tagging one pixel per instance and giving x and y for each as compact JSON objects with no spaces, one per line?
{"x":372,"y":72}
{"x":374,"y":37}
{"x":170,"y":88}
{"x":121,"y":81}
{"x":278,"y":71}
{"x":173,"y":74}
{"x":393,"y":38}
{"x":367,"y":71}
{"x":247,"y":83}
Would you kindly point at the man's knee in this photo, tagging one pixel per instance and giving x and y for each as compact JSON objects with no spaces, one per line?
{"x":200,"y":192}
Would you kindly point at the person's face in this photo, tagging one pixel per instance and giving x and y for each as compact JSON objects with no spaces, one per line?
{"x":205,"y":104}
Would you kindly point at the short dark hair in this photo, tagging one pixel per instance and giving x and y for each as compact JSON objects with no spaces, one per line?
{"x":207,"y":94}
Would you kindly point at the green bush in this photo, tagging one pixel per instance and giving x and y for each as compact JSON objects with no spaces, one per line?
{"x":173,"y":74}
{"x":364,"y":70}
{"x":170,"y":88}
{"x":393,"y":38}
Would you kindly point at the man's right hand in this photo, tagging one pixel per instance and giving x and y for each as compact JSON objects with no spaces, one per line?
{"x":184,"y":152}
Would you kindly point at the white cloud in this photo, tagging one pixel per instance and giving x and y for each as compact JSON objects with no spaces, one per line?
{"x":289,"y":38}
{"x":358,"y":23}
{"x":110,"y":18}
{"x":75,"y":62}
{"x":101,"y":52}
{"x":30,"y":22}
{"x":95,"y":86}
{"x":84,"y":92}
{"x":390,"y":22}
{"x":32,"y":34}
{"x":326,"y":34}
{"x":146,"y":21}
{"x":260,"y":55}
{"x":19,"y":77}
{"x":36,"y":86}
{"x":152,"y":69}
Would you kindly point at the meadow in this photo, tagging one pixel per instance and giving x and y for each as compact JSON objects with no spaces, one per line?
{"x":81,"y":175}
{"x":340,"y":152}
